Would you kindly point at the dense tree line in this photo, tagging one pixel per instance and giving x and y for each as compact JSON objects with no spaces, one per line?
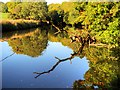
{"x":99,"y":19}
{"x":3,"y":7}
{"x":27,"y":10}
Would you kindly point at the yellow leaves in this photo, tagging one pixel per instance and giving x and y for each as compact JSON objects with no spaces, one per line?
{"x":86,"y":21}
{"x":53,"y":7}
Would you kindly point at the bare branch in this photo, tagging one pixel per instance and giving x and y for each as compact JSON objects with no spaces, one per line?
{"x":59,"y":61}
{"x":7,"y":57}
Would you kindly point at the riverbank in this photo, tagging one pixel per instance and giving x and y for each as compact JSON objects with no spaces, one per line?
{"x":11,"y":25}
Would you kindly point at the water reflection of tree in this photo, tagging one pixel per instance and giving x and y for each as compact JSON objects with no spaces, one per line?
{"x":7,"y":35}
{"x":31,"y":45}
{"x":103,"y":70}
{"x":64,"y":39}
{"x":104,"y":62}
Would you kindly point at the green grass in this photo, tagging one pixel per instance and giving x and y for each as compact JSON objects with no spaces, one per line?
{"x":4,"y":16}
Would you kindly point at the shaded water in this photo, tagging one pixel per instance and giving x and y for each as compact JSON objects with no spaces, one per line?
{"x":31,"y":60}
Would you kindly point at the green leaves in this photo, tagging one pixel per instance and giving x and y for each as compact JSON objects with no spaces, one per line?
{"x":3,"y":7}
{"x":29,"y":10}
{"x":95,"y":17}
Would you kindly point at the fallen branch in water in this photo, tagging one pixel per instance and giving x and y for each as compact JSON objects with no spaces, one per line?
{"x":59,"y":61}
{"x":59,"y":30}
{"x":7,"y":57}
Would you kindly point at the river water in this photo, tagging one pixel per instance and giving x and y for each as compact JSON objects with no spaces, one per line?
{"x":39,"y":59}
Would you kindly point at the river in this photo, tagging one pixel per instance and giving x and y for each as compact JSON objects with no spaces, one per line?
{"x":37,"y":58}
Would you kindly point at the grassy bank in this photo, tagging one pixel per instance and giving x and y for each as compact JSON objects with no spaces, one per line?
{"x":4,"y":16}
{"x":10,"y":25}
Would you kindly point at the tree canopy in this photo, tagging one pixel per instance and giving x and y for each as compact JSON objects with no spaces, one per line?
{"x":4,"y":8}
{"x":27,"y":10}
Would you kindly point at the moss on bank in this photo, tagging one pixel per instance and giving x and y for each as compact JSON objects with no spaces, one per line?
{"x":10,"y":25}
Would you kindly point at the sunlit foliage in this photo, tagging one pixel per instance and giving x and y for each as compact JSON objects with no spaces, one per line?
{"x":27,"y":10}
{"x":100,"y":19}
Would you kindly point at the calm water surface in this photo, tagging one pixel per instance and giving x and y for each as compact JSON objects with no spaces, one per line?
{"x":38,"y":51}
{"x":18,"y":69}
